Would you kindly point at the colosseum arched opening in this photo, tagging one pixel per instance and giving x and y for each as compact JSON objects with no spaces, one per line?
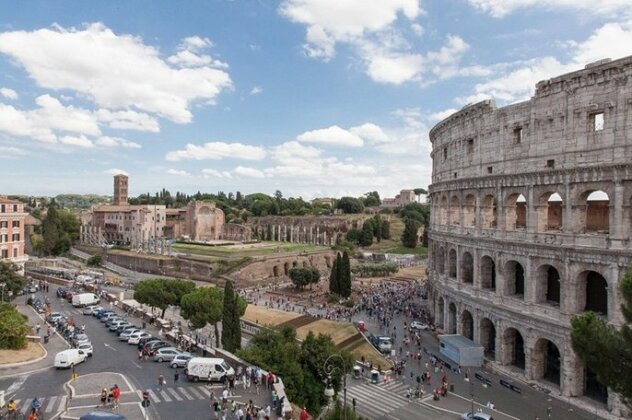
{"x":594,"y":211}
{"x":592,"y":293}
{"x":594,"y":389}
{"x":467,"y":268}
{"x":513,"y":353}
{"x":514,"y":279}
{"x":286,"y":268}
{"x":275,"y":271}
{"x":441,"y":261}
{"x":452,"y":263}
{"x":469,"y":211}
{"x":516,"y":212}
{"x":455,"y":211}
{"x":294,"y":264}
{"x":443,"y":211}
{"x":489,"y":213}
{"x":439,"y":312}
{"x":550,"y":212}
{"x":467,"y":325}
{"x":488,"y":273}
{"x":488,"y":337}
{"x":547,"y":287}
{"x":451,"y":318}
{"x":546,"y":361}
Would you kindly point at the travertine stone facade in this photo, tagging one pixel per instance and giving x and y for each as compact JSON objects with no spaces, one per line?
{"x":531,"y":222}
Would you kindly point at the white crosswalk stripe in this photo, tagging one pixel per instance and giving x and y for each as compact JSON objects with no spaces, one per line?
{"x":396,"y":387}
{"x":153,"y":396}
{"x":51,"y":404}
{"x":164,"y":396}
{"x":185,"y":393}
{"x":374,"y":401}
{"x":175,"y":394}
{"x":196,"y":393}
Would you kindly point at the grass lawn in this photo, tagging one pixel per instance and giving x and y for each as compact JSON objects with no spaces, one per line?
{"x":418,"y":250}
{"x":31,"y":352}
{"x":268,"y":317}
{"x":371,"y":355}
{"x":338,"y":331}
{"x":246,"y":250}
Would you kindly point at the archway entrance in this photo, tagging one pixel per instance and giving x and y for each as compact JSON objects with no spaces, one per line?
{"x":514,"y":278}
{"x":548,"y":285}
{"x":452,"y":263}
{"x":467,"y":325}
{"x":488,"y":337}
{"x":547,"y":361}
{"x":452,"y":319}
{"x":594,"y":389}
{"x":467,"y":268}
{"x":439,"y":312}
{"x":514,"y":344}
{"x":488,"y":273}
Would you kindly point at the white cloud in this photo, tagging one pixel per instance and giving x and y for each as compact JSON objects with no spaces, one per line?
{"x":216,"y":151}
{"x":114,"y":171}
{"x":116,"y":142}
{"x":80,"y":141}
{"x":501,"y":8}
{"x":333,"y":135}
{"x":128,"y":120}
{"x":294,"y":149}
{"x":177,"y":172}
{"x":371,"y":133}
{"x":417,"y":29}
{"x":11,"y":152}
{"x":214,"y":173}
{"x":9,"y":93}
{"x":440,"y":115}
{"x":248,"y":172}
{"x":256,"y":90}
{"x":115,"y":71}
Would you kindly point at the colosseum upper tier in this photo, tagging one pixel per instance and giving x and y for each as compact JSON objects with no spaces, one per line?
{"x":531,"y":222}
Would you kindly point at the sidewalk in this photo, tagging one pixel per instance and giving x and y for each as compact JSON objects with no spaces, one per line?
{"x":54,"y":345}
{"x":455,"y":404}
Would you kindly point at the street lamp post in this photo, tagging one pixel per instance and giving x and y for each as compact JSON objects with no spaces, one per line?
{"x":329,"y":367}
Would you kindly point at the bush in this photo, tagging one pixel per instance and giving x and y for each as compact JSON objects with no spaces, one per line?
{"x":13,"y":328}
{"x":333,"y":299}
{"x":95,"y":261}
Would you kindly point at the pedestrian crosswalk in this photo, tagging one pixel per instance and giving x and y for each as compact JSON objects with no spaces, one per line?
{"x":51,"y":404}
{"x":375,"y":401}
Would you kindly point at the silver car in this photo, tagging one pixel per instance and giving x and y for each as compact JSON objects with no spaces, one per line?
{"x":166,"y":354}
{"x":126,"y":333}
{"x":87,"y":348}
{"x":180,"y":360}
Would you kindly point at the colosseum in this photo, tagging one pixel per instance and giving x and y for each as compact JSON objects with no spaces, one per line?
{"x":531,"y":224}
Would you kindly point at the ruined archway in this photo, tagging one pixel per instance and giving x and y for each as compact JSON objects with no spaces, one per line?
{"x":593,"y":293}
{"x":514,"y":348}
{"x":516,"y":212}
{"x":455,"y":207}
{"x":452,"y":263}
{"x":597,"y":212}
{"x":275,"y":271}
{"x":451,"y":319}
{"x":550,"y":212}
{"x":488,"y":273}
{"x":467,"y":268}
{"x":286,"y":268}
{"x":443,"y":211}
{"x":548,"y":285}
{"x":469,"y":211}
{"x":488,"y":337}
{"x":547,"y":361}
{"x":514,"y":279}
{"x":467,"y":325}
{"x":441,"y":261}
{"x":488,"y":212}
{"x":439,"y":312}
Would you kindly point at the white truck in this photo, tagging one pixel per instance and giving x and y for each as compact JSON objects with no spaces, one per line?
{"x":208,"y":369}
{"x":84,"y":299}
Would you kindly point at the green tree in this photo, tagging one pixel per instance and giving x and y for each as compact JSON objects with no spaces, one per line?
{"x":354,"y":236}
{"x":350,"y":205}
{"x":160,"y":293}
{"x":419,"y":192}
{"x":13,"y":281}
{"x":50,"y":231}
{"x":95,"y":261}
{"x":301,"y":277}
{"x":371,"y":199}
{"x":345,"y":275}
{"x":13,"y":328}
{"x":202,"y":306}
{"x":334,"y":276}
{"x":409,"y":236}
{"x":60,"y":229}
{"x":366,"y":239}
{"x":416,"y":211}
{"x":385,"y":230}
{"x":606,"y":349}
{"x":231,"y":325}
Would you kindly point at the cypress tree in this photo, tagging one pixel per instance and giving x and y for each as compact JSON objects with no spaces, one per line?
{"x":236,"y":322}
{"x":338,"y":274}
{"x":227,"y":317}
{"x":345,"y":276}
{"x":333,"y":278}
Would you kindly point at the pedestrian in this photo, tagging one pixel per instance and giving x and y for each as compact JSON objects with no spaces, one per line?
{"x":176,"y":377}
{"x":140,"y":355}
{"x":38,"y":327}
{"x":104,"y":396}
{"x":161,"y":382}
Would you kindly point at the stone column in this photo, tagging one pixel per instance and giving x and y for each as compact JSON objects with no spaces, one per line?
{"x":532,"y":214}
{"x":530,"y":282}
{"x":614,"y":295}
{"x":617,"y":228}
{"x":292,"y":234}
{"x":572,"y":374}
{"x":498,"y":342}
{"x":325,"y":238}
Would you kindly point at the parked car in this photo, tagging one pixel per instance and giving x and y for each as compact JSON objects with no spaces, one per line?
{"x":99,"y":315}
{"x":180,"y":360}
{"x":128,"y":328}
{"x":106,"y":317}
{"x":61,"y":292}
{"x":55,"y":316}
{"x":126,"y":334}
{"x":80,"y":339}
{"x":154,"y":346}
{"x":112,"y":320}
{"x":143,"y":341}
{"x":122,"y":326}
{"x":96,"y":309}
{"x":137,"y":336}
{"x":166,"y":354}
{"x":69,"y":358}
{"x":87,"y":348}
{"x":88,"y":310}
{"x":476,"y":416}
{"x":418,"y":325}
{"x":116,"y":324}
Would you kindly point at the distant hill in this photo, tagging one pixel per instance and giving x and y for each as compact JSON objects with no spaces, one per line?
{"x":81,"y":201}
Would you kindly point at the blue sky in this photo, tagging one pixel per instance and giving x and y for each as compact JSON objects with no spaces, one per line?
{"x":310,"y":97}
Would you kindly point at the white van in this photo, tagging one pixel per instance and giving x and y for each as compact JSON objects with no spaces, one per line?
{"x":84,"y":299}
{"x":207,"y":369}
{"x":69,"y":358}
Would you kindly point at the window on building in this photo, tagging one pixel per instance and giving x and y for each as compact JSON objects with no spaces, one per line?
{"x":15,"y":208}
{"x":597,"y":121}
{"x":4,"y":224}
{"x":5,"y":253}
{"x":470,"y":146}
{"x":2,"y":208}
{"x":550,"y":163}
{"x":15,"y":252}
{"x":4,"y":238}
{"x":517,"y":135}
{"x":15,"y":237}
{"x":445,"y":153}
{"x":490,"y":169}
{"x":455,"y":174}
{"x":15,"y":224}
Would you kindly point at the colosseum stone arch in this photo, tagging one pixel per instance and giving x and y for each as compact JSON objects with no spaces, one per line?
{"x":531,"y":223}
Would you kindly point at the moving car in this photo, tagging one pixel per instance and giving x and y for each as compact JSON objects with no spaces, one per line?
{"x":69,"y":358}
{"x":208,"y":369}
{"x":55,"y":316}
{"x":61,"y":292}
{"x":87,"y":348}
{"x":137,"y":336}
{"x":80,"y":339}
{"x":418,"y":325}
{"x":166,"y":354}
{"x":476,"y":416}
{"x":180,"y":360}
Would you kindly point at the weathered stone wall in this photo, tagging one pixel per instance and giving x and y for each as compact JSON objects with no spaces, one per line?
{"x":276,"y":268}
{"x":518,"y":241}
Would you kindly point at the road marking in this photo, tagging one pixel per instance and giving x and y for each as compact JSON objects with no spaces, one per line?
{"x":62,"y":403}
{"x":110,"y":347}
{"x":205,"y":391}
{"x":196,"y":393}
{"x":185,"y":393}
{"x":164,"y":396}
{"x":137,"y":365}
{"x":16,"y":385}
{"x":26,"y":405}
{"x":50,"y":405}
{"x":175,"y":394}
{"x":153,"y":396}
